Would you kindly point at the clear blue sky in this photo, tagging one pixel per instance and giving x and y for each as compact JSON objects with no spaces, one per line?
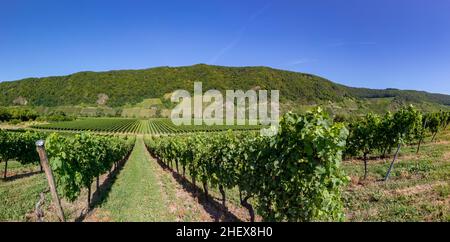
{"x":368,"y":43}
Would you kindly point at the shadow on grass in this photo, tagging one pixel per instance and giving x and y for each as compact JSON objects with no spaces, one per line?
{"x":215,"y":209}
{"x":19,"y":176}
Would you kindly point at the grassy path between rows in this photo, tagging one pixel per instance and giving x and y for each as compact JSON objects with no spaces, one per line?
{"x":136,"y":194}
{"x":143,"y":191}
{"x":18,"y":196}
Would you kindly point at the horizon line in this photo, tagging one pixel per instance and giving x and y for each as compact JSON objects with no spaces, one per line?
{"x":216,"y":65}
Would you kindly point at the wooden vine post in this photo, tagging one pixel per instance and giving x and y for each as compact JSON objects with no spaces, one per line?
{"x":51,"y":181}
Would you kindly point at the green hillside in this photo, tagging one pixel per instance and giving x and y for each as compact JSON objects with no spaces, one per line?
{"x":127,"y":88}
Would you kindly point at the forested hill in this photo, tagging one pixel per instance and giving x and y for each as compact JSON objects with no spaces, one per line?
{"x":132,"y":86}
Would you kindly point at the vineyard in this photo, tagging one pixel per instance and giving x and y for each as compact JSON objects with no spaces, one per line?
{"x":136,"y":126}
{"x":300,"y":174}
{"x":288,"y":175}
{"x":224,"y":120}
{"x":294,"y":176}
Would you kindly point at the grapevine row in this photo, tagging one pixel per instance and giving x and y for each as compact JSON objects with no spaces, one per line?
{"x":375,"y":134}
{"x":19,"y":146}
{"x":76,"y":161}
{"x":293,"y":176}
